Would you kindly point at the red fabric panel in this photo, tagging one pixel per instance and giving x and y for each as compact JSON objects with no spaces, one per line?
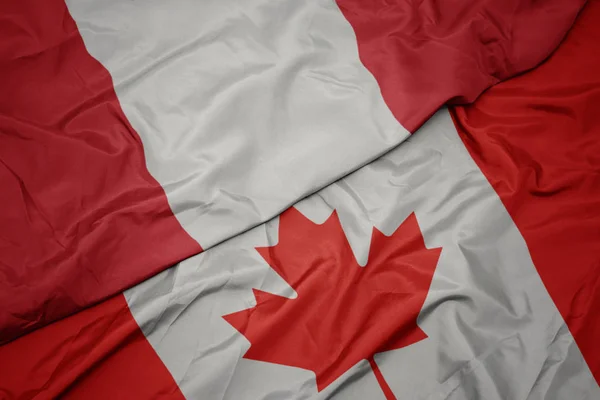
{"x":537,"y":139}
{"x":81,"y":218}
{"x":426,"y":53}
{"x":99,"y":353}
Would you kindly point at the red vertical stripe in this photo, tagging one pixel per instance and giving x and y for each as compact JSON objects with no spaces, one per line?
{"x":99,"y":353}
{"x":426,"y":53}
{"x":81,"y":218}
{"x":537,"y":139}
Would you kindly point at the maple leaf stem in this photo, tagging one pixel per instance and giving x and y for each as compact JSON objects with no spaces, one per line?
{"x":387,"y":391}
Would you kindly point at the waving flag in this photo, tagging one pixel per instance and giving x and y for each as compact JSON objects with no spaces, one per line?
{"x":461,"y":264}
{"x":136,"y":134}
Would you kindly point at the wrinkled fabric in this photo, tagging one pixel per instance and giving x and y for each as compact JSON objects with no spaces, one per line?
{"x":134,"y":134}
{"x":81,"y":217}
{"x":493,"y":330}
{"x":97,"y":354}
{"x":428,"y":53}
{"x":241,"y":114}
{"x":537,"y":140}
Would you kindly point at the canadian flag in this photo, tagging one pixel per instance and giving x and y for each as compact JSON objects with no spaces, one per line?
{"x":458,"y":262}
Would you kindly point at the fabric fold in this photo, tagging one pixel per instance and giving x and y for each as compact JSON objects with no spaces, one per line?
{"x":134,"y":135}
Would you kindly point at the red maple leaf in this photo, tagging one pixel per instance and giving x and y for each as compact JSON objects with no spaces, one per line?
{"x":343,"y":313}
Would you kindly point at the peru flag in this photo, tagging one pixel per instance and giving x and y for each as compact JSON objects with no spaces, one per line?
{"x":462,"y":264}
{"x":134,"y":135}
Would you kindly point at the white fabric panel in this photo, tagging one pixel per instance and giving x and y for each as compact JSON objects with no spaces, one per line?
{"x":243,"y":107}
{"x":493,"y":330}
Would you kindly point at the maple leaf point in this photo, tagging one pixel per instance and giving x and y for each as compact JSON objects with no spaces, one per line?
{"x":344,"y":313}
